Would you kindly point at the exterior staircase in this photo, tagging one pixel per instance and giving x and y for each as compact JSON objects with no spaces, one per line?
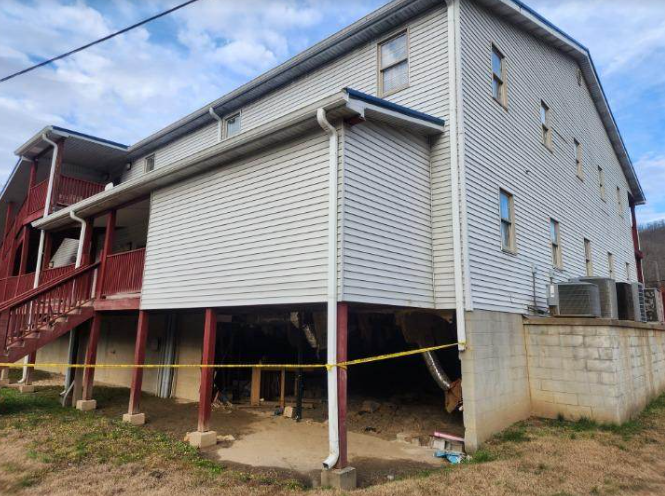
{"x":38,"y":317}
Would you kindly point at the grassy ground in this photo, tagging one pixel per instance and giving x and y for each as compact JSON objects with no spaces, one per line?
{"x":47,"y":449}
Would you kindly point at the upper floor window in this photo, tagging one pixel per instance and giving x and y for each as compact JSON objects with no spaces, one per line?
{"x":601,"y":182}
{"x":498,"y":80}
{"x":557,"y":260}
{"x":588,"y":262}
{"x":628,"y":271}
{"x":507,"y":221}
{"x":610,"y":264}
{"x":578,"y":159}
{"x":150,"y":163}
{"x":394,"y":64}
{"x":545,"y":124}
{"x":232,"y":125}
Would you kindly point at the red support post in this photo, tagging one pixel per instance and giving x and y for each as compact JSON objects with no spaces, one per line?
{"x":32,"y":358}
{"x":91,"y":356}
{"x":106,"y":251}
{"x":87,"y":243}
{"x":636,"y":243}
{"x":8,"y":218}
{"x":139,"y":359}
{"x":48,"y":250}
{"x":208,"y":358}
{"x":25,"y":248}
{"x":342,"y":356}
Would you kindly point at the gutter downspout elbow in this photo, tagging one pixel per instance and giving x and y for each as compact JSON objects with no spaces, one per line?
{"x":214,"y":115}
{"x":333,"y":406}
{"x":84,"y":227}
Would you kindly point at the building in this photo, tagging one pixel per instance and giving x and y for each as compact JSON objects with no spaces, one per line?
{"x":436,"y":162}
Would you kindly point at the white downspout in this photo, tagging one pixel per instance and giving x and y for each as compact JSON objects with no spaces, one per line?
{"x":42,"y":234}
{"x":333,"y":410}
{"x":219,"y":120}
{"x":84,"y":227}
{"x":458,"y":259}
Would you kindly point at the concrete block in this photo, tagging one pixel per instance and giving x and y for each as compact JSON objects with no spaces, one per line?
{"x":134,"y":418}
{"x":202,"y":439}
{"x":344,"y":479}
{"x":26,"y":388}
{"x":600,"y":365}
{"x":289,"y":412}
{"x":86,"y":405}
{"x":4,"y":382}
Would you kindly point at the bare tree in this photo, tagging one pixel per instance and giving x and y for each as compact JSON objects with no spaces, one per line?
{"x":652,"y":241}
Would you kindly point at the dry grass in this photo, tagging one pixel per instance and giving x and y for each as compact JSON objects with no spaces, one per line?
{"x":47,"y":449}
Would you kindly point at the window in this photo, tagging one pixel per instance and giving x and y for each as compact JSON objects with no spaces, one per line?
{"x":498,"y":81}
{"x":628,"y":271}
{"x":619,"y":201}
{"x":587,"y":257}
{"x":150,"y":163}
{"x":507,"y":221}
{"x":578,"y":159}
{"x":610,"y":264}
{"x":556,"y":244}
{"x":393,"y":64}
{"x":601,"y":182}
{"x":545,"y":123}
{"x":232,"y":125}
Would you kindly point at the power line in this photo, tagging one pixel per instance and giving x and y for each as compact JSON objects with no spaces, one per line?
{"x":101,"y":40}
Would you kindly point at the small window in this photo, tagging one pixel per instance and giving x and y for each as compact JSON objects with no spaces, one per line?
{"x":628,"y":271}
{"x":610,"y":265}
{"x":601,"y":182}
{"x":150,"y":163}
{"x":557,"y":260}
{"x":507,"y":222}
{"x":232,"y":125}
{"x":587,"y":257}
{"x":545,"y":124}
{"x":393,"y":64}
{"x":498,"y":80}
{"x":578,"y":159}
{"x":619,"y":201}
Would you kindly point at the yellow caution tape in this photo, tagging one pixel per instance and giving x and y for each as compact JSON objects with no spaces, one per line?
{"x":230,"y":365}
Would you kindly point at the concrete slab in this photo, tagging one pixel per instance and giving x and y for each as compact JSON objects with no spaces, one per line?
{"x":134,"y":418}
{"x":202,"y":439}
{"x":344,"y":479}
{"x":86,"y":405}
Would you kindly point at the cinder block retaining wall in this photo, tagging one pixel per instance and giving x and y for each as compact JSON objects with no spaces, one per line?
{"x":601,"y":369}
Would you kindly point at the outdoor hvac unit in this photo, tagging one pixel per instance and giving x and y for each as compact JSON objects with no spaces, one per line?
{"x":653,"y":303}
{"x":578,"y":299}
{"x":609,"y":308}
{"x":631,"y":301}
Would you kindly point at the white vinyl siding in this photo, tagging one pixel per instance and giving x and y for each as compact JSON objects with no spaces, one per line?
{"x":427,"y":92}
{"x":503,"y":149}
{"x":253,"y":232}
{"x":387,"y":222}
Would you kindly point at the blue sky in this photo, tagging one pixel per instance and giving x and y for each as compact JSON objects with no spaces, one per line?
{"x":133,"y":85}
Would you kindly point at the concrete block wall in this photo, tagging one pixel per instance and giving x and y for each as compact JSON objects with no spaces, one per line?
{"x":494,"y":375}
{"x":604,"y":370}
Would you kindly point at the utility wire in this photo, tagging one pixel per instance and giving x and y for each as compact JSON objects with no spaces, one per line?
{"x":101,"y":40}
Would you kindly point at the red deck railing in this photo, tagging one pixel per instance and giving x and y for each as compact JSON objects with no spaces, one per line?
{"x":40,"y":308}
{"x":50,"y":274}
{"x":10,"y":287}
{"x":124,"y":272}
{"x":73,"y":190}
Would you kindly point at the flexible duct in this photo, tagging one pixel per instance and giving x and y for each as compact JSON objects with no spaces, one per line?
{"x":436,"y":371}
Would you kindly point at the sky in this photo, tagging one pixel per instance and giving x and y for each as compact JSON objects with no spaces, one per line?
{"x":135,"y":84}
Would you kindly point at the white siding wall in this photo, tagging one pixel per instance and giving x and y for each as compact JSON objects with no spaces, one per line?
{"x":386,"y":221}
{"x":253,"y":232}
{"x":504,"y":149}
{"x":428,"y":92}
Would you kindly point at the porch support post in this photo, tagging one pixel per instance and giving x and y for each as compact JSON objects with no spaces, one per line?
{"x":87,"y":403}
{"x":342,"y":356}
{"x":55,"y":193}
{"x":25,"y":247}
{"x":106,"y":251}
{"x":636,"y":243}
{"x":133,"y":416}
{"x":203,"y":436}
{"x":4,"y":376}
{"x":87,"y":243}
